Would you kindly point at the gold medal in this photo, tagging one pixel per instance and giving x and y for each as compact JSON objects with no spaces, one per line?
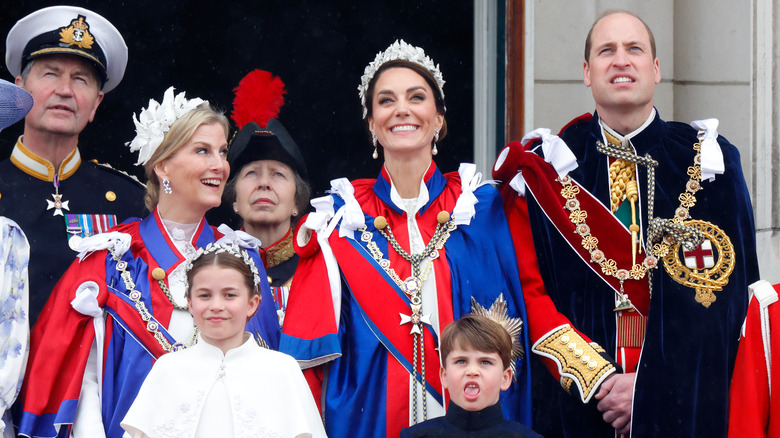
{"x":705,"y":268}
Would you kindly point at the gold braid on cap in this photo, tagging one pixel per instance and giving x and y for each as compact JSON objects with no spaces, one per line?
{"x":398,"y":50}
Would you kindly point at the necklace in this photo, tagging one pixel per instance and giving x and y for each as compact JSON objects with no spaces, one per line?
{"x":665,"y":237}
{"x":412,"y":286}
{"x":152,"y":326}
{"x":590,"y":242}
{"x":168,"y":295}
{"x":699,"y":241}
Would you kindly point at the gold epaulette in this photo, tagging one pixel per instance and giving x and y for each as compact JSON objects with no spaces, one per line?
{"x":578,"y":362}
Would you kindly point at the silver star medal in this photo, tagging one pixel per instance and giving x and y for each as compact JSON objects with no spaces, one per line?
{"x":58,"y":204}
{"x":499,"y":313}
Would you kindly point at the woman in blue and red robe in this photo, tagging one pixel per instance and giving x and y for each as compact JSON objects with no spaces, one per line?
{"x":386,"y":264}
{"x":122,"y":304}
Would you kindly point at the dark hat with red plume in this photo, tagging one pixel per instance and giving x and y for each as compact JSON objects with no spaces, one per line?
{"x":259,"y":96}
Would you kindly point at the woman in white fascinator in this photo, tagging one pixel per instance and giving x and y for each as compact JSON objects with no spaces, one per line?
{"x":125,"y":295}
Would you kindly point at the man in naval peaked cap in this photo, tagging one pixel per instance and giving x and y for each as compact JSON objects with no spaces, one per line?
{"x":67,"y":58}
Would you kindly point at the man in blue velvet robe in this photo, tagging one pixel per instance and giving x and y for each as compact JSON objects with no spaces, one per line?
{"x":643,"y":232}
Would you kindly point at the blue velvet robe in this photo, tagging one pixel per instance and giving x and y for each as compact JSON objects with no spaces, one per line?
{"x":689,"y":351}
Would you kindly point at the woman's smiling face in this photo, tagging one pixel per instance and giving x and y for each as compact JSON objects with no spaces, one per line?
{"x":404,"y":115}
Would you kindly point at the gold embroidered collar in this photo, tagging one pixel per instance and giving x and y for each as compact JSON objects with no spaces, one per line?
{"x":41,"y":168}
{"x":279,"y":252}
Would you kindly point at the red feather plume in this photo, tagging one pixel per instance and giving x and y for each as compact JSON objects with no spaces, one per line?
{"x":258,"y":98}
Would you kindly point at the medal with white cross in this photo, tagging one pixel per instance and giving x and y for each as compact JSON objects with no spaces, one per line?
{"x":58,"y":204}
{"x":417,"y":319}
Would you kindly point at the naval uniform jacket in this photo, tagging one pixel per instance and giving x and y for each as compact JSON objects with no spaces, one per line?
{"x":25,"y":186}
{"x":358,"y":330}
{"x":688,"y":352}
{"x":133,"y":323}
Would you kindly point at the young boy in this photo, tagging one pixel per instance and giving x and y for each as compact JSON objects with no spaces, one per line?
{"x":476,"y":354}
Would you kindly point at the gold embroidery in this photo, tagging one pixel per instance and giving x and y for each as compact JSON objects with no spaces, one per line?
{"x":279,"y":253}
{"x":577,"y":359}
{"x":77,"y":34}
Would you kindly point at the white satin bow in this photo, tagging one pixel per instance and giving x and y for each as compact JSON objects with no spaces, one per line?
{"x":239,"y":237}
{"x":351,"y":214}
{"x":118,"y":242}
{"x":556,"y":152}
{"x":470,"y":180}
{"x":711,"y":155}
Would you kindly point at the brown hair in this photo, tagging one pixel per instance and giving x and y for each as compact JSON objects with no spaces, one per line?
{"x":180,"y":133}
{"x":420,"y":70}
{"x":588,"y":42}
{"x":222,"y":260}
{"x":477,"y":332}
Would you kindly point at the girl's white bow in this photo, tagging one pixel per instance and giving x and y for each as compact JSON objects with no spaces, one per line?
{"x":241,"y":238}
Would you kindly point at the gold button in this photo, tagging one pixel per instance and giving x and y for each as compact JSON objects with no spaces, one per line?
{"x":578,"y":352}
{"x":565,"y":339}
{"x":592,"y":365}
{"x":110,"y":196}
{"x":270,"y":280}
{"x":1,"y":195}
{"x":158,"y":274}
{"x":585,"y":359}
{"x":571,"y":346}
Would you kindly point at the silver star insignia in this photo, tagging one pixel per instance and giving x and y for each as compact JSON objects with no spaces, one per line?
{"x":499,"y":313}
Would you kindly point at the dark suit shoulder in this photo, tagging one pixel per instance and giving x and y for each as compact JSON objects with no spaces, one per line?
{"x":105,"y":170}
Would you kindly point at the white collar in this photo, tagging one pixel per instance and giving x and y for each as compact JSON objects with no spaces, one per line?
{"x":625,"y":139}
{"x":401,"y":203}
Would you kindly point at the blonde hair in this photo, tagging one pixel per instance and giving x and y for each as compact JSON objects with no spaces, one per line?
{"x":180,"y":133}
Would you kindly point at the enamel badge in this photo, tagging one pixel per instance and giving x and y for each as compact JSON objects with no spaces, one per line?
{"x":705,"y":268}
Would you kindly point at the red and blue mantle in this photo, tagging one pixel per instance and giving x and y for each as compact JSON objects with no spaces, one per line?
{"x":367,"y":387}
{"x":61,"y":340}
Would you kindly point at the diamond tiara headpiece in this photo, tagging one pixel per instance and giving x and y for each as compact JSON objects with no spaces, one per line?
{"x":230,"y":248}
{"x":398,"y":50}
{"x":156,"y":119}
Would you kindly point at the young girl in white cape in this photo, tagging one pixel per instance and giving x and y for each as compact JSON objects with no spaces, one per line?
{"x":225,"y":385}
